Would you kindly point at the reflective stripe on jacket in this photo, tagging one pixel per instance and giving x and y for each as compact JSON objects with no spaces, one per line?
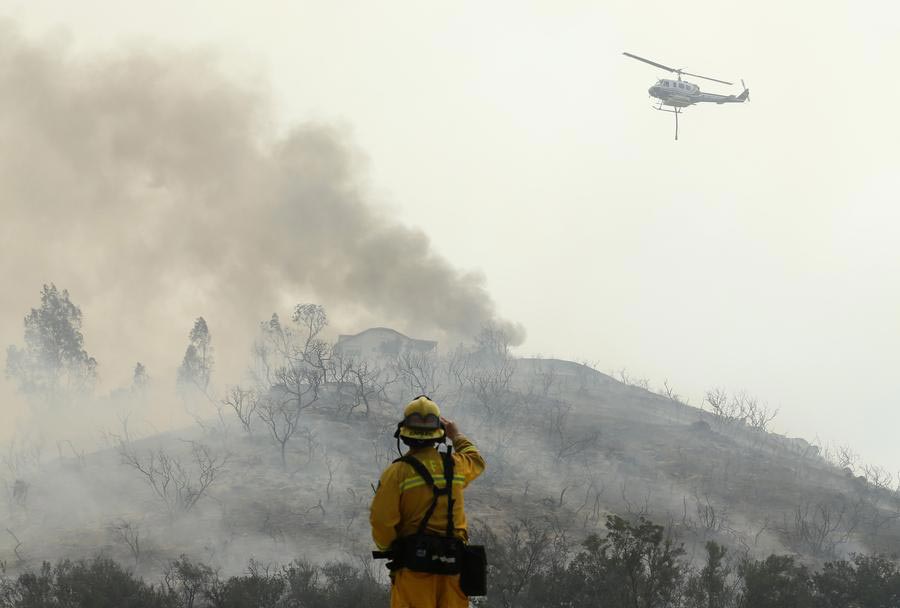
{"x":403,"y":497}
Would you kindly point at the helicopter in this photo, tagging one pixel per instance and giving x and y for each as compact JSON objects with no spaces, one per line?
{"x":680,"y":94}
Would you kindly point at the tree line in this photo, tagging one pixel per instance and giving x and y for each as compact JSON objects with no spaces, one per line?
{"x":635,"y":564}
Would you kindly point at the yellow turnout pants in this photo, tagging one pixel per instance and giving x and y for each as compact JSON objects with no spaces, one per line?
{"x":422,"y":590}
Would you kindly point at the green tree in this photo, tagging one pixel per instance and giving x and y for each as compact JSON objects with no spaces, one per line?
{"x":53,"y":363}
{"x":188,"y":582}
{"x":141,"y":379}
{"x":635,"y":566}
{"x":870,"y":581}
{"x":521,"y":564}
{"x":197,"y":365}
{"x":776,"y":582}
{"x":710,"y":587}
{"x":99,"y":583}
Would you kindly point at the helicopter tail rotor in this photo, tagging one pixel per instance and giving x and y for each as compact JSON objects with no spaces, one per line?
{"x":745,"y":96}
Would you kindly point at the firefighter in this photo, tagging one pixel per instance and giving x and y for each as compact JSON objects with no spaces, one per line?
{"x":412,"y":507}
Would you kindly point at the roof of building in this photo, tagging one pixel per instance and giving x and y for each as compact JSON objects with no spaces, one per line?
{"x":396,"y":333}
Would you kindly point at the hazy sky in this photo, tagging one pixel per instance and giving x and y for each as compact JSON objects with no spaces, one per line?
{"x":759,"y":252}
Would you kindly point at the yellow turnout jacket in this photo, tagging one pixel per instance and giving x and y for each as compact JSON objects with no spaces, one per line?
{"x":403,"y":497}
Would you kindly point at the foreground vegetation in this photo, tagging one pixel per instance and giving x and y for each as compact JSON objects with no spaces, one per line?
{"x":634,"y":565}
{"x":637,"y":565}
{"x":102,"y":583}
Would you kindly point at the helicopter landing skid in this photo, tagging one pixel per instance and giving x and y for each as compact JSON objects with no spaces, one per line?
{"x":676,"y":111}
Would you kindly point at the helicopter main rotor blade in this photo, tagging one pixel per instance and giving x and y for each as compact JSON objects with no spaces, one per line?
{"x":674,"y":71}
{"x":659,"y":65}
{"x":705,"y":78}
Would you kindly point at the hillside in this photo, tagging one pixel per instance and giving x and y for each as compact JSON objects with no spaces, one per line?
{"x":565,"y":446}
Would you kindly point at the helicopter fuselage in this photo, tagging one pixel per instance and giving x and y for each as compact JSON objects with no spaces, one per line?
{"x":681,"y":94}
{"x":677,"y":93}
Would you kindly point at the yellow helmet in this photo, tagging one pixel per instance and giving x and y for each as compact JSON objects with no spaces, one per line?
{"x":422,"y":420}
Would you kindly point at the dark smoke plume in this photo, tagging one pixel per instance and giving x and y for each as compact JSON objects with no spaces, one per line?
{"x":152,"y":187}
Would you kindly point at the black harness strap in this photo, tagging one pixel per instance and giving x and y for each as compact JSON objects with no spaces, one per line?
{"x":448,"y":478}
{"x":422,"y":471}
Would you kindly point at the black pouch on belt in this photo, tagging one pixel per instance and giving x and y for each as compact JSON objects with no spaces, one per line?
{"x":430,"y":553}
{"x":473,"y":576}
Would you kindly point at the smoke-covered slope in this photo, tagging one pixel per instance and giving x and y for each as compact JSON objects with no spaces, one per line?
{"x":565,"y":446}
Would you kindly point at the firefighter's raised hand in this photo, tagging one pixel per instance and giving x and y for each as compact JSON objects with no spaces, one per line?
{"x":450,"y":428}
